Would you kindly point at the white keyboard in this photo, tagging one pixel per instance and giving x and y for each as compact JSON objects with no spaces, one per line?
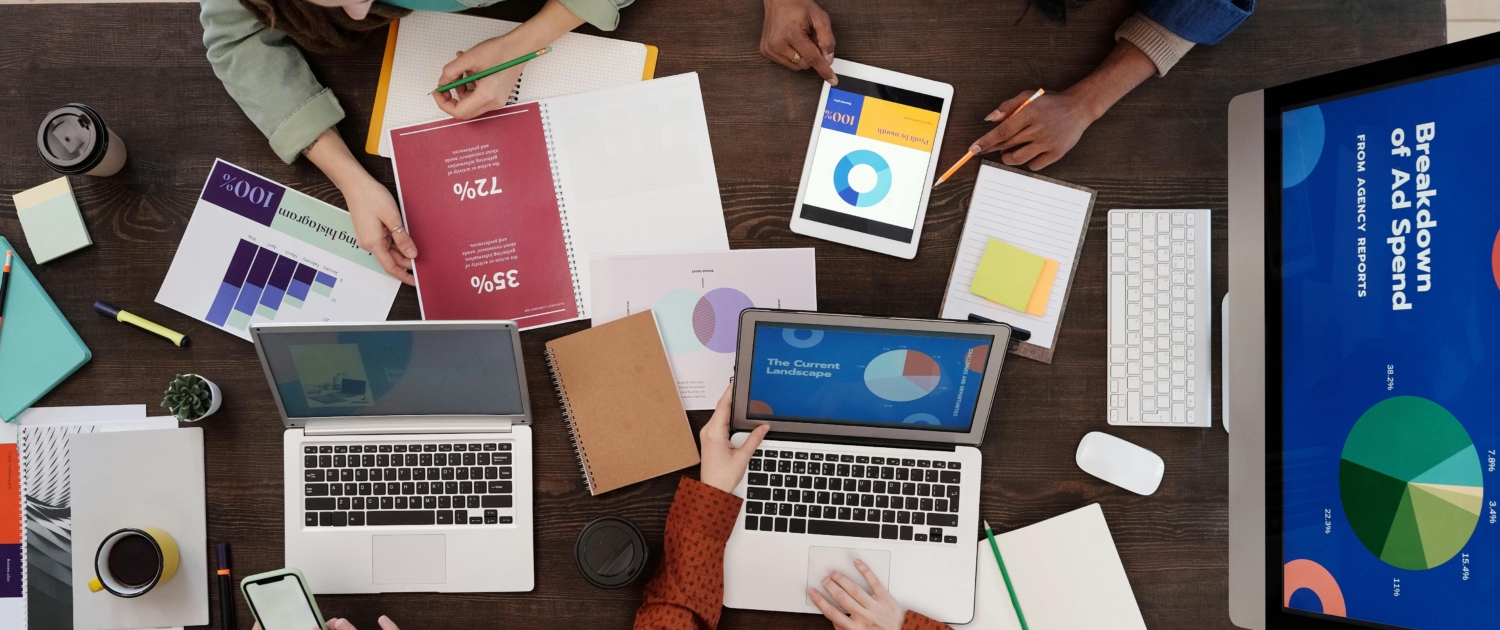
{"x":1160,"y":318}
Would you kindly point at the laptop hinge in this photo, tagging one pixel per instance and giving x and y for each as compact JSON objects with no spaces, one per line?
{"x":405,"y":426}
{"x":859,"y":441}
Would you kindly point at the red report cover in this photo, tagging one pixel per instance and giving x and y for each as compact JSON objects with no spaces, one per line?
{"x":480,"y":205}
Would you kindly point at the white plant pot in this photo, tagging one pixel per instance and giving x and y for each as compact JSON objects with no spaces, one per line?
{"x":215,"y":399}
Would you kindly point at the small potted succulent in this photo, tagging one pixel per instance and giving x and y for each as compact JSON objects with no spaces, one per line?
{"x":192,"y":398}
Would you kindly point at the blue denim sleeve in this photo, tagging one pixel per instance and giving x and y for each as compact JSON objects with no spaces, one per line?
{"x":1198,"y":21}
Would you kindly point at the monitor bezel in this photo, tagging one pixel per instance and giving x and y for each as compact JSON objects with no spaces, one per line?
{"x":257,"y":331}
{"x":1409,"y":68}
{"x":983,"y":403}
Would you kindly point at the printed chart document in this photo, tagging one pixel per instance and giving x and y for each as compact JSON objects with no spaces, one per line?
{"x":508,"y":208}
{"x":1040,"y":215}
{"x":697,"y":299}
{"x":256,"y":251}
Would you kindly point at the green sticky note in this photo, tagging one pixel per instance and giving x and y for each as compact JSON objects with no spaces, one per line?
{"x":51,"y":220}
{"x":1007,"y":274}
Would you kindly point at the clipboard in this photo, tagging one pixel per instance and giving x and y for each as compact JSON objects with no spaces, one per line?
{"x":998,"y":208}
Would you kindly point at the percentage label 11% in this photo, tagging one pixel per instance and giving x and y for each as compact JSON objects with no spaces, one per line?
{"x":478,"y":188}
{"x":500,"y":281}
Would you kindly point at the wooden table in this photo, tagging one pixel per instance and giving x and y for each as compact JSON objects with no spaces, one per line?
{"x":143,"y":67}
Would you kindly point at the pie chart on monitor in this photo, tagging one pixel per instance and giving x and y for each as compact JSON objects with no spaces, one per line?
{"x":1411,"y":483}
{"x":902,"y":375}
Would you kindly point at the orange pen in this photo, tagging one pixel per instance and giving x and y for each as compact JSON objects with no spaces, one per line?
{"x":970,"y":154}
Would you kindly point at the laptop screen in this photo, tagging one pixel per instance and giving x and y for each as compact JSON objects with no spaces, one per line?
{"x":869,"y":377}
{"x":394,"y":372}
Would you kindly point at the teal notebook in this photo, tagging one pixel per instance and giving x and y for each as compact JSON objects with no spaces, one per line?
{"x":38,"y":348}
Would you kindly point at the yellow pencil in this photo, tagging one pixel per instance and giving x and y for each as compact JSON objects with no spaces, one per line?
{"x":970,"y":154}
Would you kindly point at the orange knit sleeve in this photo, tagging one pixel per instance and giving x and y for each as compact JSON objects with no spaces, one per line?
{"x":917,"y":621}
{"x":687,"y":591}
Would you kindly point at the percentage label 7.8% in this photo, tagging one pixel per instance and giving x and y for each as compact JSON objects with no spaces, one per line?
{"x":500,"y":281}
{"x":478,"y":188}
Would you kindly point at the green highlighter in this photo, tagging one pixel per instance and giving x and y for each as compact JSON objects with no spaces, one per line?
{"x":1014,"y":601}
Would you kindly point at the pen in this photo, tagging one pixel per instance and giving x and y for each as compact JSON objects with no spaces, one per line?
{"x":963,"y":160}
{"x":177,"y":338}
{"x":1016,"y":334}
{"x":226,"y":589}
{"x":1004,"y":574}
{"x":480,"y":75}
{"x":5,"y":283}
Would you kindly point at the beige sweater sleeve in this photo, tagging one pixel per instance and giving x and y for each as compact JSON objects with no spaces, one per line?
{"x":1164,"y":47}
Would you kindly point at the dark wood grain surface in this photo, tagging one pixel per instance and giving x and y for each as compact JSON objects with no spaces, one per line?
{"x":143,"y":67}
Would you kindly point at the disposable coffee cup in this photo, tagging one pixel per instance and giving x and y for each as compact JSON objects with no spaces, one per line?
{"x":74,"y":141}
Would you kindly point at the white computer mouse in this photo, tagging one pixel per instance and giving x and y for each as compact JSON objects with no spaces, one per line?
{"x":1121,"y":463}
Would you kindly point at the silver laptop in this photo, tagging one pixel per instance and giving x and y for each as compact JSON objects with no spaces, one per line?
{"x":870,"y":456}
{"x":407,"y":454}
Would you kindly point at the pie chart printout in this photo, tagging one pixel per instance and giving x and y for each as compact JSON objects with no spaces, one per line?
{"x":902,"y":375}
{"x":1411,"y":483}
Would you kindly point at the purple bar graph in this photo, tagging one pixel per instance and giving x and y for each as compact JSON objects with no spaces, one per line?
{"x":234,"y":277}
{"x":280,"y":277}
{"x":256,"y":281}
{"x":301,"y":280}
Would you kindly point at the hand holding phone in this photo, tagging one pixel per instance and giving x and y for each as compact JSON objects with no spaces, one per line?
{"x":281,"y":600}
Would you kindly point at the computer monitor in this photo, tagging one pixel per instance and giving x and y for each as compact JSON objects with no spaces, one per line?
{"x":1364,"y":258}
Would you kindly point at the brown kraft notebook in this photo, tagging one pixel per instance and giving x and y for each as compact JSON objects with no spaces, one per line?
{"x":621,"y":403}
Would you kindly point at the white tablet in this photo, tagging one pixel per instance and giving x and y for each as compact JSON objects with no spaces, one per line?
{"x":872,"y":158}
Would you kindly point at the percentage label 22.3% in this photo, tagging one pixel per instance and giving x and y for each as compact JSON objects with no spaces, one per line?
{"x":500,"y":281}
{"x":478,"y":188}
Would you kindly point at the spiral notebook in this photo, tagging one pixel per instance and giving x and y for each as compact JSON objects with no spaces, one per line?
{"x":420,"y":44}
{"x":507,"y":209}
{"x":620,"y":402}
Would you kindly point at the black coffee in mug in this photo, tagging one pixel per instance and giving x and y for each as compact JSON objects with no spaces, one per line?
{"x":133,"y":560}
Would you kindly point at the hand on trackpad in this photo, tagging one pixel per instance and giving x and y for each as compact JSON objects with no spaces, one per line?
{"x":822,"y":560}
{"x":421,"y":559}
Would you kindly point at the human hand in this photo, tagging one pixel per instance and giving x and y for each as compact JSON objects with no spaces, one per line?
{"x":491,"y":92}
{"x":876,"y":610}
{"x":1041,"y":133}
{"x":798,"y":35}
{"x":378,"y":228}
{"x":343,"y":624}
{"x":723,"y":464}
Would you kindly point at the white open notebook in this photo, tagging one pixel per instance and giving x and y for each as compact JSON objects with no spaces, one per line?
{"x":1066,"y":573}
{"x":426,"y":41}
{"x":1041,"y":215}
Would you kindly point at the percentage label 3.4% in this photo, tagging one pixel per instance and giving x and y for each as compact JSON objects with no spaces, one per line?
{"x":478,"y":188}
{"x":500,"y":281}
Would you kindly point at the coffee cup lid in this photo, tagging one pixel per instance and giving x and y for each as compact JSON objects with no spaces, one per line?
{"x":610,"y":552}
{"x":72,"y":139}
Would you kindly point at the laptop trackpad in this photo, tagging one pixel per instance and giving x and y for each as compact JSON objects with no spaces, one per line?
{"x":822,"y":560}
{"x":411,"y":559}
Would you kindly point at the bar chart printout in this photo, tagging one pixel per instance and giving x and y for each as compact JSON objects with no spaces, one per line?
{"x":256,"y":251}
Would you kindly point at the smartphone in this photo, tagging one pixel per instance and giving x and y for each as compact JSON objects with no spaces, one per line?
{"x":281,"y":600}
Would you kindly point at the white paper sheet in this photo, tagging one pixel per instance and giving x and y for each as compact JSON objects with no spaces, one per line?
{"x":1035,"y":215}
{"x":697,"y":299}
{"x":1067,"y":576}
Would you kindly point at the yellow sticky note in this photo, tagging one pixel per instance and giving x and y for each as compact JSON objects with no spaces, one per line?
{"x":1038,"y":304}
{"x":1007,"y":274}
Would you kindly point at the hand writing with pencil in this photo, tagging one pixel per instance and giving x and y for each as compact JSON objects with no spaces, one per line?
{"x":493,"y":91}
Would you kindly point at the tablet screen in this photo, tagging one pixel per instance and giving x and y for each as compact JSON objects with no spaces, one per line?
{"x":866,"y":376}
{"x":870,"y":161}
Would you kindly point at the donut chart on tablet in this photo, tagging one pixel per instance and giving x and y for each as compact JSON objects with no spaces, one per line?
{"x":850,"y":164}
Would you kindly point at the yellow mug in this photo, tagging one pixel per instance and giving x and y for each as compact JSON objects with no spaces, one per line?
{"x":132,"y":561}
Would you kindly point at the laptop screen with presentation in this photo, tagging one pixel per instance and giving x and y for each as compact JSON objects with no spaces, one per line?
{"x":396,"y":369}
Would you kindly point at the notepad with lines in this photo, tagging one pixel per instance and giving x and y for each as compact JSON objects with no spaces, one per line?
{"x":420,"y":44}
{"x":1045,"y":216}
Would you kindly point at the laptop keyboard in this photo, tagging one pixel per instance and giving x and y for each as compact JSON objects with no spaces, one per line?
{"x":357,"y":485}
{"x":803,"y":492}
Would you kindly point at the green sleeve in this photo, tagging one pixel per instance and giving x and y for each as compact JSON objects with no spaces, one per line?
{"x":265,"y":73}
{"x":604,"y":14}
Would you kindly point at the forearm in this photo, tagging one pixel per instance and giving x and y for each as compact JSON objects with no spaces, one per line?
{"x":333,"y":157}
{"x":547,"y":25}
{"x":687,"y":591}
{"x":1125,"y":68}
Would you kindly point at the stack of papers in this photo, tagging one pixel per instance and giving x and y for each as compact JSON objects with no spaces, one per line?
{"x":1013,"y":277}
{"x":51,"y":220}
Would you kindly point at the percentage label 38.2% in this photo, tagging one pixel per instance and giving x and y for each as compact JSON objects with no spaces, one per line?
{"x":500,"y":281}
{"x":478,"y":188}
